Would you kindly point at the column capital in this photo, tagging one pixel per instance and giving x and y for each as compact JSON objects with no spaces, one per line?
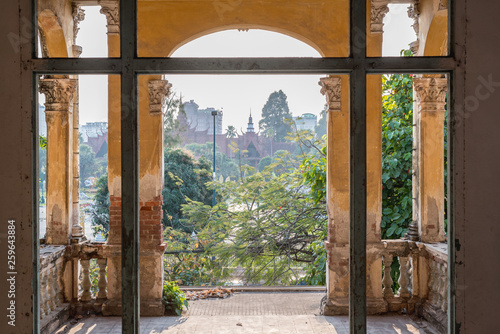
{"x":378,"y":9}
{"x":159,"y":90}
{"x":430,"y":93}
{"x":78,"y":16}
{"x":59,"y":93}
{"x":111,"y":8}
{"x":331,"y":87}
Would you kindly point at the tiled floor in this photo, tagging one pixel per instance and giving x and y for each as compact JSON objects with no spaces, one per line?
{"x":252,"y":313}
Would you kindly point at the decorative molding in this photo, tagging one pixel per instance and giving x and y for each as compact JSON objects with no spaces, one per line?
{"x":331,"y":87}
{"x":78,"y":16}
{"x":111,"y":9}
{"x":378,"y":9}
{"x":59,"y":93}
{"x":430,"y":93}
{"x":414,"y":13}
{"x":159,"y":90}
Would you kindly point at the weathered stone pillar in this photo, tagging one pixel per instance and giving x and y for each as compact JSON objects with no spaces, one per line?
{"x":59,"y":95}
{"x":430,"y":100}
{"x":335,"y":88}
{"x":151,"y":91}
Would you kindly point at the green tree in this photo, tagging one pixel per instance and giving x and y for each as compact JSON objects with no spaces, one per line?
{"x":100,"y":208}
{"x":88,"y":165}
{"x":231,"y":132}
{"x":224,"y":166}
{"x":185,"y":179}
{"x":397,"y":147}
{"x":275,"y":114}
{"x":320,"y":128}
{"x":263,"y":222}
{"x":172,"y":109}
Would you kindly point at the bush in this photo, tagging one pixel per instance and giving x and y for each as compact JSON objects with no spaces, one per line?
{"x":173,"y":298}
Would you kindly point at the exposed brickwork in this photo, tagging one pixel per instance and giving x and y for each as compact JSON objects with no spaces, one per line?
{"x":150,"y":216}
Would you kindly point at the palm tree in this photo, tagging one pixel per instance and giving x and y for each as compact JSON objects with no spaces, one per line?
{"x":230,"y":131}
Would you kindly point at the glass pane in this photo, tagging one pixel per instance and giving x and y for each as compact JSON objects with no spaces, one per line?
{"x":84,"y":31}
{"x":419,"y":29}
{"x":165,"y":26}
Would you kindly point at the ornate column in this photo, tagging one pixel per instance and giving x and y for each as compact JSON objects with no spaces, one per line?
{"x":59,"y":95}
{"x":378,"y":9}
{"x":430,"y":100}
{"x":335,"y":89}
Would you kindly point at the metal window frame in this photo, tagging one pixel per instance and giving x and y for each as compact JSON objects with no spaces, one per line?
{"x":357,"y":65}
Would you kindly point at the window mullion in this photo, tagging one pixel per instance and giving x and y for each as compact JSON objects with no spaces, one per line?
{"x":357,"y":165}
{"x":130,"y":169}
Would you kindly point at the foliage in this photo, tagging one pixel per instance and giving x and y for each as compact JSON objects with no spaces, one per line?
{"x":173,"y":298}
{"x":274,"y":114}
{"x":231,"y":132}
{"x":42,"y":141}
{"x":263,"y":163}
{"x":88,"y":164}
{"x":194,"y":268}
{"x":100,"y":209}
{"x":320,"y":128}
{"x":263,"y":223}
{"x":172,"y":128}
{"x":397,"y":147}
{"x":185,"y":179}
{"x":224,"y":166}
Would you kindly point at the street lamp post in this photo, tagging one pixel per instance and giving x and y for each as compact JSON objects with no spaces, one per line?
{"x":214,"y":113}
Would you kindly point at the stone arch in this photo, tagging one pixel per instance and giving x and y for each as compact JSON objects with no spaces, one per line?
{"x":437,"y":35}
{"x":253,"y":27}
{"x":165,"y":26}
{"x":51,"y":35}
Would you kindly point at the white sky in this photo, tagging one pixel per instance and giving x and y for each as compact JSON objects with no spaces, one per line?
{"x":235,"y":94}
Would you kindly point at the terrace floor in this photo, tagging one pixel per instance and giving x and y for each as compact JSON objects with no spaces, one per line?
{"x":253,"y":312}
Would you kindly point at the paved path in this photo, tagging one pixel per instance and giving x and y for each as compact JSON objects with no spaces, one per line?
{"x":253,"y":313}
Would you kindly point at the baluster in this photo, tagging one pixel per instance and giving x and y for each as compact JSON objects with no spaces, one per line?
{"x":102,"y":284}
{"x":387,"y":280}
{"x":86,"y":295}
{"x":51,"y":289}
{"x":415,"y":280}
{"x":444,"y":306}
{"x":443,"y":289}
{"x":60,"y":286}
{"x":403,"y":277}
{"x":431,"y":282}
{"x":439,"y":283}
{"x":43,"y":295}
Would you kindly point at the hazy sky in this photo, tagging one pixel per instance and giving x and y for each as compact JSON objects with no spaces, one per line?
{"x":235,"y":94}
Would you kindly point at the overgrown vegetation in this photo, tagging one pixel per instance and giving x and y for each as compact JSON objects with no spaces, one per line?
{"x":173,"y":298}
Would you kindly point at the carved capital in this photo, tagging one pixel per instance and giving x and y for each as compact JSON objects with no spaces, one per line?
{"x":159,"y":90}
{"x":378,"y":9}
{"x":430,"y":93}
{"x":78,"y":16}
{"x":111,"y":8}
{"x":331,"y":87}
{"x":59,"y":93}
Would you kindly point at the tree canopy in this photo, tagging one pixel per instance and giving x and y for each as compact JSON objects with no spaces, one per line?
{"x":276,"y":116}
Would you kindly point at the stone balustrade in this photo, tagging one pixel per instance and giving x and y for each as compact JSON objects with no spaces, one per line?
{"x":423,"y":282}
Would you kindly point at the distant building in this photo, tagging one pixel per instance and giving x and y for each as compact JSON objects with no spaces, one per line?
{"x":95,"y":134}
{"x":306,"y":122}
{"x":202,"y":119}
{"x":255,"y":145}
